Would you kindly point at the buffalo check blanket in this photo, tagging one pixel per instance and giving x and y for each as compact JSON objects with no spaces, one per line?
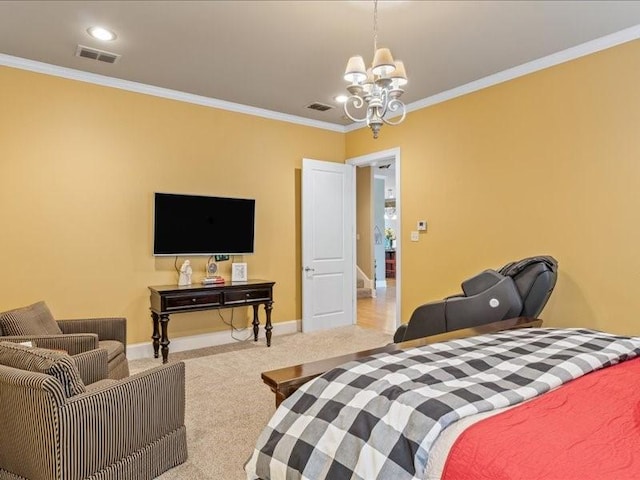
{"x":376,"y":418}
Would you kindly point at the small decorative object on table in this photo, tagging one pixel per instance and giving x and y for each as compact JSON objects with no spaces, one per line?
{"x":211,"y":268}
{"x":238,"y":272}
{"x":390,"y":236}
{"x":210,"y":279}
{"x":185,"y":273}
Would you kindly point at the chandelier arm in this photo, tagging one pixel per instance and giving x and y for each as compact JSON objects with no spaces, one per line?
{"x":393,"y":106}
{"x":358,"y":102}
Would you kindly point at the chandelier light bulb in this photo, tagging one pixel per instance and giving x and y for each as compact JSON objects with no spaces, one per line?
{"x":399,"y":74}
{"x":355,"y":72}
{"x":383,"y":62}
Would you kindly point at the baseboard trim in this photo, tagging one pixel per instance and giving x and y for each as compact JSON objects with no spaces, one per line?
{"x":192,"y":342}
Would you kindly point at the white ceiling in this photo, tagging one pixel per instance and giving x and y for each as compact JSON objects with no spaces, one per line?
{"x":284,"y":55}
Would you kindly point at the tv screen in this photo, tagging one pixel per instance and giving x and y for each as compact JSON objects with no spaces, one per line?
{"x":201,"y":225}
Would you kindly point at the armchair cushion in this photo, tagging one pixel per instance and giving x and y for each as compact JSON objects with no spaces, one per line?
{"x":35,"y":319}
{"x":112,"y":347}
{"x":41,"y":360}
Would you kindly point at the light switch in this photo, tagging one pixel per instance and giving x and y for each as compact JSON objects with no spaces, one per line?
{"x":422,"y":225}
{"x":415,"y":236}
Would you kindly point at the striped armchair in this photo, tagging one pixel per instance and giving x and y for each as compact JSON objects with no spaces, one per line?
{"x":54,"y":426}
{"x":36,"y":324}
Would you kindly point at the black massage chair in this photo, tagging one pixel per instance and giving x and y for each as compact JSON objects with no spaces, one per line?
{"x":519,"y":289}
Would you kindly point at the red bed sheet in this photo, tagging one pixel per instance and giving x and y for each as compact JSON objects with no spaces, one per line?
{"x":587,"y":429}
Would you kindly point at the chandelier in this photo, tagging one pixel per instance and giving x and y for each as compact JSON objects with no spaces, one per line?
{"x":376,"y":89}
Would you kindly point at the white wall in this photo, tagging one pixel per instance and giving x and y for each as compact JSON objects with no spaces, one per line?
{"x":378,"y":225}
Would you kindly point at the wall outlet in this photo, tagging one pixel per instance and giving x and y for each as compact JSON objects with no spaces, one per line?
{"x":422,"y":225}
{"x":415,"y":236}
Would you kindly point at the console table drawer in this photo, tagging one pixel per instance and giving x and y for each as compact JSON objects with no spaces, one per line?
{"x":196,"y":299}
{"x":246,"y":296}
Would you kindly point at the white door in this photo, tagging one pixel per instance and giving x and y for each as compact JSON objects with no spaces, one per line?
{"x":328,"y":284}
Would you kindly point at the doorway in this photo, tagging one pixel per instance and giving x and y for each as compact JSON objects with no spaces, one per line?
{"x":379,"y":238}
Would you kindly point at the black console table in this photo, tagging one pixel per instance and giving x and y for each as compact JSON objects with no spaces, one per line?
{"x":168,"y":299}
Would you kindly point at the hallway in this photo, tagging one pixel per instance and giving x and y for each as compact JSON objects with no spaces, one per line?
{"x":380,"y":312}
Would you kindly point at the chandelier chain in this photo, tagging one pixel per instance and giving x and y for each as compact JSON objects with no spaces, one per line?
{"x":375,"y":25}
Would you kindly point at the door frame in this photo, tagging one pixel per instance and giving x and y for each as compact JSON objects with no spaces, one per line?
{"x":372,"y":159}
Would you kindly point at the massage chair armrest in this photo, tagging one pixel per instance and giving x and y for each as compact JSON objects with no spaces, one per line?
{"x":481,"y":282}
{"x":499,"y":302}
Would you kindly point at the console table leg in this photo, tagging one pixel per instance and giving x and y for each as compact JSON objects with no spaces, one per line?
{"x":164,"y":340}
{"x":267,"y":326}
{"x":255,"y":323}
{"x":156,"y":334}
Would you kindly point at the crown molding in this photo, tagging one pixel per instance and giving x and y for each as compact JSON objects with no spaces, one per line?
{"x":593,"y":46}
{"x":587,"y":48}
{"x":103,"y":80}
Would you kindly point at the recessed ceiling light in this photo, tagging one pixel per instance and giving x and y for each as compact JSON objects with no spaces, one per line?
{"x":340,"y":98}
{"x":101,"y":33}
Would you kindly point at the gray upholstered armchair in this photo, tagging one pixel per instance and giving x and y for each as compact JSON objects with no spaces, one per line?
{"x":36,"y":324}
{"x":54,"y":426}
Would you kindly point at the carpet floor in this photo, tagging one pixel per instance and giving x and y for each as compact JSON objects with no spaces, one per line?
{"x":228,"y":405}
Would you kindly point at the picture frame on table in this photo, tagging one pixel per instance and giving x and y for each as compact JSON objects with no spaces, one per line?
{"x":238,"y":272}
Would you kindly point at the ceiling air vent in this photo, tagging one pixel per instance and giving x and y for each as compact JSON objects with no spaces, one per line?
{"x":321,"y":107}
{"x":95,"y":54}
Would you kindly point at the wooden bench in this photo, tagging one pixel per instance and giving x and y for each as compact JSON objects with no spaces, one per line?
{"x":284,"y":381}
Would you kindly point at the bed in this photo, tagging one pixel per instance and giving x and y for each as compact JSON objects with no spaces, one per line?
{"x":517,"y":404}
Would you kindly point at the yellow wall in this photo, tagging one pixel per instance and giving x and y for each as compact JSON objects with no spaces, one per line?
{"x":78,"y":167}
{"x":364,"y":242}
{"x":544,"y":164}
{"x":548,"y":163}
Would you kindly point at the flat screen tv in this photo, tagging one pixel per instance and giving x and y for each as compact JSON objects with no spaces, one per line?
{"x":201,"y":225}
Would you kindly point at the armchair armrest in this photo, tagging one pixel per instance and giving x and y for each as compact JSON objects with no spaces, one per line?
{"x":28,"y":400}
{"x":92,"y":365}
{"x":152,"y":400}
{"x":112,"y":328}
{"x":73,"y":344}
